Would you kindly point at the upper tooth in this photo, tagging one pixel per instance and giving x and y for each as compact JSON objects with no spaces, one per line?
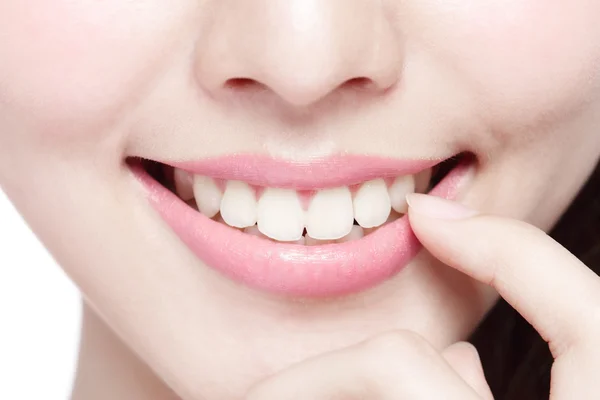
{"x":238,"y":206}
{"x":372,"y":204}
{"x":208,"y":195}
{"x":402,"y":186}
{"x":183,"y":184}
{"x":280,"y":215}
{"x":330,"y":214}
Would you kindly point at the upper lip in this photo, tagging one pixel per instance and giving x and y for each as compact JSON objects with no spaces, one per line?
{"x":318,"y":173}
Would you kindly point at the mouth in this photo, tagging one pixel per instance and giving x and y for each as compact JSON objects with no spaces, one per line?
{"x":325,"y":228}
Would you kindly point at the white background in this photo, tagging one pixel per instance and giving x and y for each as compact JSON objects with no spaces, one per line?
{"x":40,"y":315}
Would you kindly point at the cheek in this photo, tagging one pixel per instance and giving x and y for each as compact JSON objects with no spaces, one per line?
{"x":72,"y":65}
{"x":526,"y":60}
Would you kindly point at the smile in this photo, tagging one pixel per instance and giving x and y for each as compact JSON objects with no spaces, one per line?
{"x":325,"y":228}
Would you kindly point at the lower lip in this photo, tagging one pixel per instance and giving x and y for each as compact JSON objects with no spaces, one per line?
{"x":289,"y":269}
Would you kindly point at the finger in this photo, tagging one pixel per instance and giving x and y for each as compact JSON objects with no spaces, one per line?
{"x":399,"y":366}
{"x":464,"y":359}
{"x":545,"y":283}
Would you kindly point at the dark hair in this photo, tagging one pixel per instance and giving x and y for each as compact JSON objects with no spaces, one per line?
{"x":516,"y":360}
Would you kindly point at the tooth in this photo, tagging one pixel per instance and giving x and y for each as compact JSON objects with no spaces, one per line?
{"x":280,"y":215}
{"x":401,"y":186}
{"x":208,"y":195}
{"x":372,"y":204}
{"x":330,"y":214}
{"x":355,"y":234}
{"x":253,"y":231}
{"x":183,"y":184}
{"x":310,"y":241}
{"x":391,"y":218}
{"x":238,"y":206}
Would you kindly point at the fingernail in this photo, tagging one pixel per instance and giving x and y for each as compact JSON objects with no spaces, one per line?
{"x":436,"y":207}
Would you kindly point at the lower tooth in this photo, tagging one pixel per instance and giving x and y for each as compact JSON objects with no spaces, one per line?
{"x":356,"y":233}
{"x":316,"y":242}
{"x":253,"y":231}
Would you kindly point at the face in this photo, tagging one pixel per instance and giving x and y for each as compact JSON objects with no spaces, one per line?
{"x":298,"y":116}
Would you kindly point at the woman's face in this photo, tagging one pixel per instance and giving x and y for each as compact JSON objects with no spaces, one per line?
{"x":292,"y":98}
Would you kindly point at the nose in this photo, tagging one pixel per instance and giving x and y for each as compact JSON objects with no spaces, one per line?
{"x":300,"y":50}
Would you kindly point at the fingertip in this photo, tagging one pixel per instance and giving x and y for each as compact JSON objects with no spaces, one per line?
{"x":467,"y":350}
{"x":438,"y":225}
{"x":426,"y":215}
{"x":437,"y":207}
{"x":464,"y":359}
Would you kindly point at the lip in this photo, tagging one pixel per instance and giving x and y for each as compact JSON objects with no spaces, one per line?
{"x":317,"y":173}
{"x":291,"y":269}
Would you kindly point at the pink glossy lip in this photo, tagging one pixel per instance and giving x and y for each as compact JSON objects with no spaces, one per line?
{"x":296,"y":270}
{"x":315,"y":174}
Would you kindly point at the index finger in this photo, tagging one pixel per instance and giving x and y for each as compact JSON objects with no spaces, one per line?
{"x":547,"y":285}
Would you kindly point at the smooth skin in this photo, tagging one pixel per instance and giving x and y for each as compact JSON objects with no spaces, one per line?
{"x":545,"y":283}
{"x":85,"y":84}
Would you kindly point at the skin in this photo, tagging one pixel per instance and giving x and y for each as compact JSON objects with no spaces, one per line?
{"x":85,"y":84}
{"x":401,"y":365}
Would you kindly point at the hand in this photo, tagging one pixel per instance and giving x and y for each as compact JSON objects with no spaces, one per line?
{"x":393,"y":366}
{"x":550,"y":287}
{"x":554,"y":291}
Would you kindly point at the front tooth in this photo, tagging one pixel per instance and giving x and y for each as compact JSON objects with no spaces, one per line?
{"x":208,"y":195}
{"x":280,"y":215}
{"x":372,"y":204}
{"x":330,"y":214}
{"x":183,"y":184}
{"x":238,"y":206}
{"x":253,"y":231}
{"x":401,"y":186}
{"x":355,"y":234}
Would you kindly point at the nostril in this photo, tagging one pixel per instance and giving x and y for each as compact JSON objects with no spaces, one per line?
{"x":297,"y":92}
{"x":248,"y":83}
{"x":242,"y":84}
{"x":358,"y":83}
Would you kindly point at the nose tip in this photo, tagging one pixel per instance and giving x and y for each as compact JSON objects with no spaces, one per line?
{"x":300,"y":50}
